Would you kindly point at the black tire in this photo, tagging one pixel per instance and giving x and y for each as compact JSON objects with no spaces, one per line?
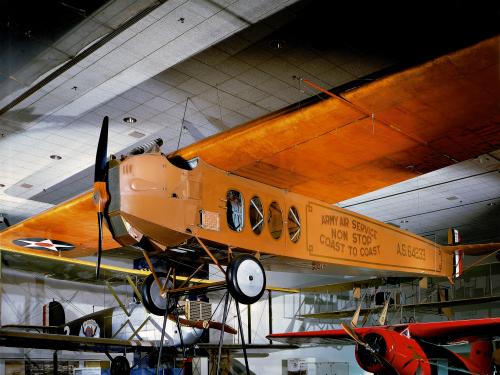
{"x":120,"y":366}
{"x":151,"y":298}
{"x":246,"y":279}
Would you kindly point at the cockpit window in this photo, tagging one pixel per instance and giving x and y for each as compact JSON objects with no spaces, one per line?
{"x":234,"y":211}
{"x":275,"y":220}
{"x":182,"y":163}
{"x":256,"y":213}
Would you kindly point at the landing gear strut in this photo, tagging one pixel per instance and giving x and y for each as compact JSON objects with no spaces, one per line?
{"x":246,"y":279}
{"x":245,"y":282}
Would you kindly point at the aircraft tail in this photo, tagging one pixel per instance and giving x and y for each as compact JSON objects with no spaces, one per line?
{"x":454,"y":245}
{"x":458,"y":264}
{"x":458,"y":256}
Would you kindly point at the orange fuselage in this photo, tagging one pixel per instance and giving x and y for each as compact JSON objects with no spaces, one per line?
{"x":152,"y":197}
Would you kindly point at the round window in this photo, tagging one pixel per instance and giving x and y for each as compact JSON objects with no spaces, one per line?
{"x":293,"y":224}
{"x":275,"y":220}
{"x":256,"y":213}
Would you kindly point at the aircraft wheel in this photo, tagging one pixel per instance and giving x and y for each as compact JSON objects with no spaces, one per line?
{"x":246,"y":279}
{"x":120,"y":366}
{"x":151,"y":296}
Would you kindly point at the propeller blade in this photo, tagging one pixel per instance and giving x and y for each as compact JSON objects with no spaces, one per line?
{"x":204,"y":324}
{"x":100,"y":190}
{"x":102,"y":152}
{"x":219,"y":326}
{"x":359,"y":341}
{"x":350,"y":332}
{"x":99,"y":244}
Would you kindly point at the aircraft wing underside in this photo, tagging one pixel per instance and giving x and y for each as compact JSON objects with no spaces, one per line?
{"x":64,"y":342}
{"x":69,"y":230}
{"x":381,"y":133}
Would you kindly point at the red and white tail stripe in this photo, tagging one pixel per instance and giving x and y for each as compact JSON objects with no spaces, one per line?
{"x":458,"y":266}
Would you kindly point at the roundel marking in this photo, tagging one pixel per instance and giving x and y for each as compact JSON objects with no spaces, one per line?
{"x":43,"y":244}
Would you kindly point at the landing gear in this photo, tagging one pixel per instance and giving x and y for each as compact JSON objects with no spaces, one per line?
{"x":246,"y":279}
{"x":152,"y":297}
{"x":120,"y":366}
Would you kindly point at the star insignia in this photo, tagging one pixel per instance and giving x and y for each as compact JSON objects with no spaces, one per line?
{"x":43,"y":244}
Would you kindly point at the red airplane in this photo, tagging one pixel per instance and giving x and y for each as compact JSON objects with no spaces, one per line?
{"x":414,"y":348}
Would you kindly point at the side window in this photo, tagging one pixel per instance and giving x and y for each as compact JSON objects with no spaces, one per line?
{"x":293,"y":224}
{"x":256,"y":213}
{"x":234,"y":211}
{"x":275,"y":220}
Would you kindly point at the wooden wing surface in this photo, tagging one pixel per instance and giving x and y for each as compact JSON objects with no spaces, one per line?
{"x":379,"y":134}
{"x":68,"y":229}
{"x":393,"y":129}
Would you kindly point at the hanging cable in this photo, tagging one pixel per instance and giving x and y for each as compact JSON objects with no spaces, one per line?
{"x":182,"y":124}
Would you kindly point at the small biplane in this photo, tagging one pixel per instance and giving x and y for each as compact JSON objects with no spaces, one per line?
{"x":413,"y":348}
{"x":112,"y":330}
{"x":128,"y":329}
{"x":260,"y":195}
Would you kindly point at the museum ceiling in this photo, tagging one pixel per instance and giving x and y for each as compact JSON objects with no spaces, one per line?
{"x":188,"y":69}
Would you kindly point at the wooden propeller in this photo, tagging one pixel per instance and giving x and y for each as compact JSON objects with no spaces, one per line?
{"x":204,"y":324}
{"x":101,"y":196}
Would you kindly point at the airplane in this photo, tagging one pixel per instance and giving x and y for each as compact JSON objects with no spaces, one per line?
{"x":370,"y":300}
{"x":121,"y":329}
{"x":413,"y":348}
{"x":261,"y":194}
{"x":188,"y":207}
{"x":127,"y":329}
{"x":425,"y":306}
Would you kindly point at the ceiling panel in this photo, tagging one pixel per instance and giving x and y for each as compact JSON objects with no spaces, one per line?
{"x":149,"y":70}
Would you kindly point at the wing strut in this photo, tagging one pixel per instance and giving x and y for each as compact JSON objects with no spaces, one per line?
{"x":227,"y":304}
{"x":165,"y":317}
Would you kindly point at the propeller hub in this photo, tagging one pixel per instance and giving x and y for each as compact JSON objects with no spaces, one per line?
{"x":374,"y":349}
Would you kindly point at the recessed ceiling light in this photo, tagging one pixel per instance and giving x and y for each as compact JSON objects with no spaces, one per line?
{"x":277,"y":44}
{"x":56,"y":157}
{"x":491,"y":204}
{"x":26,"y":186}
{"x":130,"y":120}
{"x":2,"y":185}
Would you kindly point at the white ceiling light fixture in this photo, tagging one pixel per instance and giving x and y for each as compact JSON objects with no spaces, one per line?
{"x":130,"y":120}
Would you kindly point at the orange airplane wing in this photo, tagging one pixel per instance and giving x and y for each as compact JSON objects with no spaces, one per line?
{"x":379,"y":134}
{"x":390,"y":130}
{"x":69,"y":230}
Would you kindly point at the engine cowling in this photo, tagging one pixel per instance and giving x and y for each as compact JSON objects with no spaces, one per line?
{"x":390,"y":350}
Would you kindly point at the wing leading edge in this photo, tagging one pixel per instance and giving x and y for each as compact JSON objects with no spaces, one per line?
{"x":435,"y":332}
{"x":69,"y":230}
